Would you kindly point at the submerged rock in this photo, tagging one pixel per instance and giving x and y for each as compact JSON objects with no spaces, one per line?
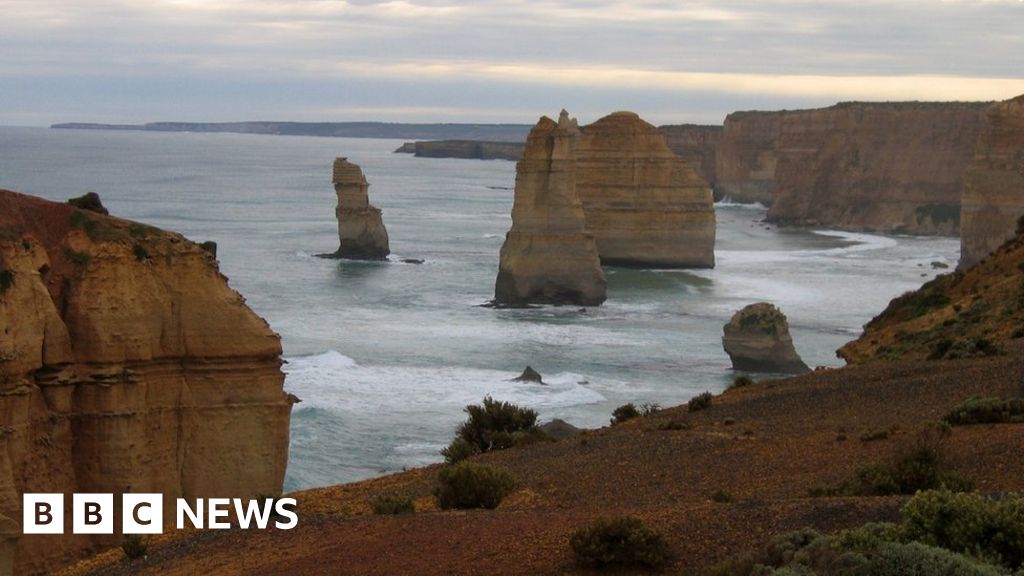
{"x":757,"y":340}
{"x":548,"y":256}
{"x":361,"y":229}
{"x":530,"y":375}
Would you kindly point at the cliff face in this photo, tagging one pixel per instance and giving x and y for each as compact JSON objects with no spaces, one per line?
{"x":548,"y":255}
{"x":126,"y":364}
{"x":697,"y":145}
{"x":994,"y":185}
{"x":644,"y":205}
{"x":746,"y":157}
{"x":881,"y":167}
{"x":974,"y":312}
{"x":361,"y":229}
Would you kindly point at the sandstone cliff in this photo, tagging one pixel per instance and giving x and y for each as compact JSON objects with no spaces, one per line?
{"x":878,"y":167}
{"x":126,"y":364}
{"x":745,"y":157}
{"x":757,"y":340}
{"x":974,"y":312}
{"x":644,"y":205}
{"x":698,"y":146}
{"x":360,"y":228}
{"x":548,"y":255}
{"x":994,"y":186}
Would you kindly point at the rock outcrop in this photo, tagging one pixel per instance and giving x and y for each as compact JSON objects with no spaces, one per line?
{"x":696,"y":144}
{"x":994,"y":186}
{"x":127,"y":364}
{"x":360,"y":228}
{"x":877,"y":167}
{"x":644,"y":205}
{"x":757,"y":340}
{"x":548,"y":255}
{"x":978,"y":311}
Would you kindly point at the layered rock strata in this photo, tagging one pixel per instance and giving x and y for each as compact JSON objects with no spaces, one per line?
{"x":548,"y":255}
{"x":757,"y":340}
{"x":994,"y":186}
{"x":127,"y":364}
{"x":361,"y":229}
{"x":644,"y":205}
{"x":877,"y":167}
{"x":697,"y":144}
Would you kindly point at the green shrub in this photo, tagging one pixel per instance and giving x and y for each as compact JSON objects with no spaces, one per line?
{"x":6,"y":280}
{"x":721,"y":496}
{"x":469,"y":485}
{"x":458,"y":450}
{"x":134,"y":546}
{"x":492,"y":425}
{"x":78,"y":258}
{"x":916,"y":559}
{"x":386,"y":504}
{"x":968,"y":523}
{"x":140,"y":253}
{"x":622,"y":542}
{"x":701,"y":401}
{"x":976,"y":410}
{"x":919,"y":469}
{"x":741,"y":381}
{"x":675,"y":425}
{"x":624,"y":413}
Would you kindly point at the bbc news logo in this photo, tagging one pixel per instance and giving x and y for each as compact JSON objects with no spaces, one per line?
{"x":144,"y":513}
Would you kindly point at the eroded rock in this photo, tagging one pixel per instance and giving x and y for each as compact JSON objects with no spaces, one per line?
{"x":645,"y":206}
{"x":548,"y":256}
{"x":361,"y":229}
{"x":757,"y":340}
{"x":126,"y":374}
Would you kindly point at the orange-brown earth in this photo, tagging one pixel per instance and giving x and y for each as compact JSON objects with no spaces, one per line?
{"x":952,"y":314}
{"x":764,"y":444}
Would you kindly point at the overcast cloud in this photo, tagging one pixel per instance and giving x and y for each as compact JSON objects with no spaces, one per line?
{"x":492,"y":60}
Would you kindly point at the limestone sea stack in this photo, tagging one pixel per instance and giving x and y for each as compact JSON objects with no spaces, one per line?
{"x":645,"y":206}
{"x":360,"y":227}
{"x":548,"y":256}
{"x":757,"y":340}
{"x":994,"y":186}
{"x":127,"y":364}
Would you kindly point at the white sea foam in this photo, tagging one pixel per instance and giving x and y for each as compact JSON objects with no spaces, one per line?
{"x":336,"y":382}
{"x":728,"y":203}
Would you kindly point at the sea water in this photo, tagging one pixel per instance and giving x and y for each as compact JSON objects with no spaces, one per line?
{"x":385,"y":355}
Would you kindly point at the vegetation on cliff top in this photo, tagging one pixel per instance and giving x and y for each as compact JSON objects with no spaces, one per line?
{"x":963,"y":314}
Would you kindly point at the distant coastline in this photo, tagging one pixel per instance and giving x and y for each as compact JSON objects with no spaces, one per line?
{"x":489,"y":132}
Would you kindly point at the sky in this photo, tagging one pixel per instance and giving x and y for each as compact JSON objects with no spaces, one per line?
{"x":130,"y":61}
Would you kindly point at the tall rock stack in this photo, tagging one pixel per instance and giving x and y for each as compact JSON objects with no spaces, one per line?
{"x":360,"y":228}
{"x":548,"y":255}
{"x":644,"y":205}
{"x":994,"y":186}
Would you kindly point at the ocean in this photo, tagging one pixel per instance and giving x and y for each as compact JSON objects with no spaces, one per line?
{"x":385,"y":355}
